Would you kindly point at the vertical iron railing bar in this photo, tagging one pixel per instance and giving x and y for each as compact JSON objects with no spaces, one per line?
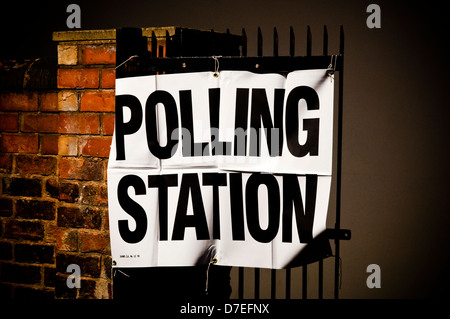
{"x":241,"y":269}
{"x":257,"y":282}
{"x":179,"y":42}
{"x":241,"y":283}
{"x":320,"y":283}
{"x":168,"y":44}
{"x":305,"y":267}
{"x":228,"y":41}
{"x":291,"y":42}
{"x":275,"y":42}
{"x":244,"y":43}
{"x":260,"y":43}
{"x":305,"y":282}
{"x":320,"y":295}
{"x":339,"y":166}
{"x":292,"y":54}
{"x":273,"y":283}
{"x":308,"y":41}
{"x":154,"y":44}
{"x":257,"y":270}
{"x":274,"y":272}
{"x":213,"y":43}
{"x":288,"y":283}
{"x":325,"y":41}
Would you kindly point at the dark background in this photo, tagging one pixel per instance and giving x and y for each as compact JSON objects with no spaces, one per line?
{"x":395,"y":194}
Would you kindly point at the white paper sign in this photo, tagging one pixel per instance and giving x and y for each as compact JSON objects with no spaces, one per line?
{"x":236,"y":168}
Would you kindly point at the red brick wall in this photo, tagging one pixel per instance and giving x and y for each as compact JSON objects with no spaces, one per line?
{"x":54,"y":148}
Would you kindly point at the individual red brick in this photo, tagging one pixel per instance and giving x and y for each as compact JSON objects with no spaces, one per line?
{"x":26,"y":101}
{"x":96,"y":146}
{"x":67,"y":100}
{"x":49,"y":277}
{"x":98,"y":54}
{"x":67,"y":54}
{"x":49,"y":144}
{"x":43,"y":165}
{"x":9,"y":122}
{"x":64,"y":191}
{"x":17,"y":186}
{"x":108,"y":78}
{"x":20,"y":274}
{"x":49,"y":102}
{"x":81,"y":168}
{"x":79,"y":123}
{"x":76,"y":217}
{"x":94,"y":241}
{"x":69,"y":192}
{"x":95,"y":194}
{"x":5,"y":251}
{"x":66,"y":239}
{"x":51,"y":230}
{"x":78,"y":78}
{"x":21,"y":143}
{"x":34,"y":253}
{"x":24,"y":229}
{"x":5,"y":163}
{"x":68,"y":145}
{"x":6,"y":207}
{"x":108,"y":124}
{"x":98,"y":101}
{"x":40,"y":122}
{"x":52,"y":187}
{"x":35,"y":209}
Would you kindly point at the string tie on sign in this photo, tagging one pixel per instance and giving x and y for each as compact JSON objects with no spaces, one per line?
{"x":332,"y":67}
{"x":216,"y":65}
{"x":131,"y":57}
{"x":213,"y":261}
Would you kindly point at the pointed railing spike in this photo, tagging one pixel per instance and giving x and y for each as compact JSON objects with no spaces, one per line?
{"x":244,"y":42}
{"x":260,"y":42}
{"x":154,"y":44}
{"x":275,"y":42}
{"x":168,"y":45}
{"x":291,"y":42}
{"x":308,"y":41}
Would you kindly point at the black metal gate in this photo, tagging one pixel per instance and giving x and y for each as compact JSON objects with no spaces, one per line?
{"x":188,"y":50}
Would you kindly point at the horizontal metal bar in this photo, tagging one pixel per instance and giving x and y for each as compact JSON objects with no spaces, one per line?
{"x":267,"y":64}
